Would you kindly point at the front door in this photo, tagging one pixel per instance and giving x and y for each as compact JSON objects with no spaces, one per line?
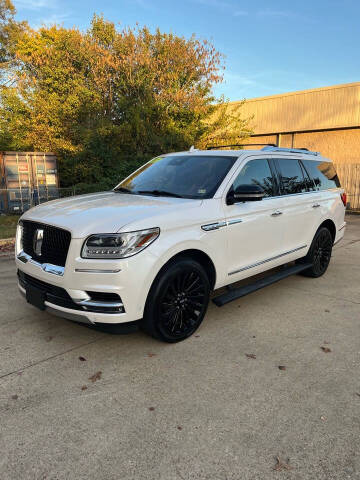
{"x":254,"y":228}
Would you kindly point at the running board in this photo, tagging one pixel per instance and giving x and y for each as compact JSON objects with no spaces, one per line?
{"x":234,"y":293}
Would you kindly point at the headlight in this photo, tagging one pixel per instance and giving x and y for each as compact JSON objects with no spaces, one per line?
{"x":118,"y":245}
{"x":19,"y":238}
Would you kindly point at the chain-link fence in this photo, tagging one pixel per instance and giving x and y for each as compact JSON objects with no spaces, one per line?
{"x":18,"y":200}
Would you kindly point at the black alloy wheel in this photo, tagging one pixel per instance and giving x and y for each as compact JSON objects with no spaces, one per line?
{"x":319,"y":254}
{"x":177,"y":301}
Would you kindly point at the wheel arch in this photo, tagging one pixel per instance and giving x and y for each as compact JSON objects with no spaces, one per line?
{"x":330,"y":225}
{"x":199,"y":256}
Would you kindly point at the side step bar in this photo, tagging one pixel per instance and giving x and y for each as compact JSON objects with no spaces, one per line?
{"x":234,"y":293}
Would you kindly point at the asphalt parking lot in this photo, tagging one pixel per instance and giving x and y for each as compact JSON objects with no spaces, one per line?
{"x":80,"y":404}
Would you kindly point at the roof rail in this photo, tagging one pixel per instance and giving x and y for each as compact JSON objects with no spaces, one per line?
{"x":215,"y":147}
{"x":290,"y":150}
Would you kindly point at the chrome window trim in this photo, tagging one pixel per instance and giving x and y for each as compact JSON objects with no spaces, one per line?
{"x":303,"y":193}
{"x":267,"y":260}
{"x":46,"y":267}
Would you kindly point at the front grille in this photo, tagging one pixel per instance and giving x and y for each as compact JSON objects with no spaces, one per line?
{"x":55,"y":245}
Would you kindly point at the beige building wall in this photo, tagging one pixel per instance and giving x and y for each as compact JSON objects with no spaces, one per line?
{"x":342,"y":146}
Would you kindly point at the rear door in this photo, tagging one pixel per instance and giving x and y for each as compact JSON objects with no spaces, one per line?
{"x":300,"y":206}
{"x":326,"y":184}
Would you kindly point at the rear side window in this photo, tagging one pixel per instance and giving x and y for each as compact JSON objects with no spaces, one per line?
{"x":322,"y":173}
{"x":256,"y":172}
{"x":292,"y":179}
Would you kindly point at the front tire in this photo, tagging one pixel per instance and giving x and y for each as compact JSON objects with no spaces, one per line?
{"x":177,"y":301}
{"x":319,"y":254}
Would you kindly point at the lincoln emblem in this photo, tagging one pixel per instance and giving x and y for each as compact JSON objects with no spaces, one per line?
{"x":38,"y":240}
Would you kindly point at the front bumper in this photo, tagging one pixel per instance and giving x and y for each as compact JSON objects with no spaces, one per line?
{"x":68,"y":313}
{"x":90,"y":318}
{"x":59,"y":302}
{"x":129,"y":279}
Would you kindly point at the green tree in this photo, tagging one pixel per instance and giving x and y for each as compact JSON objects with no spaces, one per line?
{"x":107,"y":100}
{"x":10,"y":31}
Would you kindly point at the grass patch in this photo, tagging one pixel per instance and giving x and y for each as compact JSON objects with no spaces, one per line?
{"x":8,"y":225}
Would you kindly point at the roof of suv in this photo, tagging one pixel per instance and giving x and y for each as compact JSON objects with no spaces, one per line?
{"x":238,"y":153}
{"x":231,"y":153}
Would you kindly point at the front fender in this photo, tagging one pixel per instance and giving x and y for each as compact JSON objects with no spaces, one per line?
{"x":212,"y":244}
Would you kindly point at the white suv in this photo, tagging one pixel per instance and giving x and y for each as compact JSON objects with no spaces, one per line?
{"x":182,"y":225}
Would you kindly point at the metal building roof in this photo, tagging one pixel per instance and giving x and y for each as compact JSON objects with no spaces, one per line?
{"x":323,"y":108}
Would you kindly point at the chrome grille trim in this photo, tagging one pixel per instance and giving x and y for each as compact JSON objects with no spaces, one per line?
{"x":46,"y":267}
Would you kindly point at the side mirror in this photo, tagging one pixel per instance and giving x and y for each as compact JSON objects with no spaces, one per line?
{"x":245,"y":193}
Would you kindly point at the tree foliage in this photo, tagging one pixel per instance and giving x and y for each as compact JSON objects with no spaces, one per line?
{"x":106,"y":100}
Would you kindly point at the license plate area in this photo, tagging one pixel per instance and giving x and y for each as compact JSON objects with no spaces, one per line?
{"x":35,"y":296}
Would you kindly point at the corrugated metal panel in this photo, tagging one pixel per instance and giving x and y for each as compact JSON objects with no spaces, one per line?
{"x":271,"y":139}
{"x":341,"y":146}
{"x":321,"y":108}
{"x":27,"y":179}
{"x":349,"y":175}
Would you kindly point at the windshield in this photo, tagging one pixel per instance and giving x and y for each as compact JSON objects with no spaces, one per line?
{"x":186,"y":176}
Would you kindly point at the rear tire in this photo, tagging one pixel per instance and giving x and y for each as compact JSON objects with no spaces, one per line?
{"x":177,"y":301}
{"x":319,"y":254}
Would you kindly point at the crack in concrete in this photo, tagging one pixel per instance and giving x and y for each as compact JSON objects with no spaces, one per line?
{"x":323,"y":294}
{"x":344,"y":245}
{"x":49,"y":358}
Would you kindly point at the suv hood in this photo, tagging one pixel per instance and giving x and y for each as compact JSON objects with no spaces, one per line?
{"x":106,"y":212}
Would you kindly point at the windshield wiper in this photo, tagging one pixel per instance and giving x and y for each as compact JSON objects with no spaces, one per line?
{"x":122,"y":190}
{"x":159,"y":193}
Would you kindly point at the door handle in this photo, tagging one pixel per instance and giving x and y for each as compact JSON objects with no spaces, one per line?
{"x":276,"y":213}
{"x":316,"y":205}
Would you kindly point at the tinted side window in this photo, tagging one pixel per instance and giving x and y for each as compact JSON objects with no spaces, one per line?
{"x":323,"y":174}
{"x":256,"y":172}
{"x":291,"y":176}
{"x":309,"y":182}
